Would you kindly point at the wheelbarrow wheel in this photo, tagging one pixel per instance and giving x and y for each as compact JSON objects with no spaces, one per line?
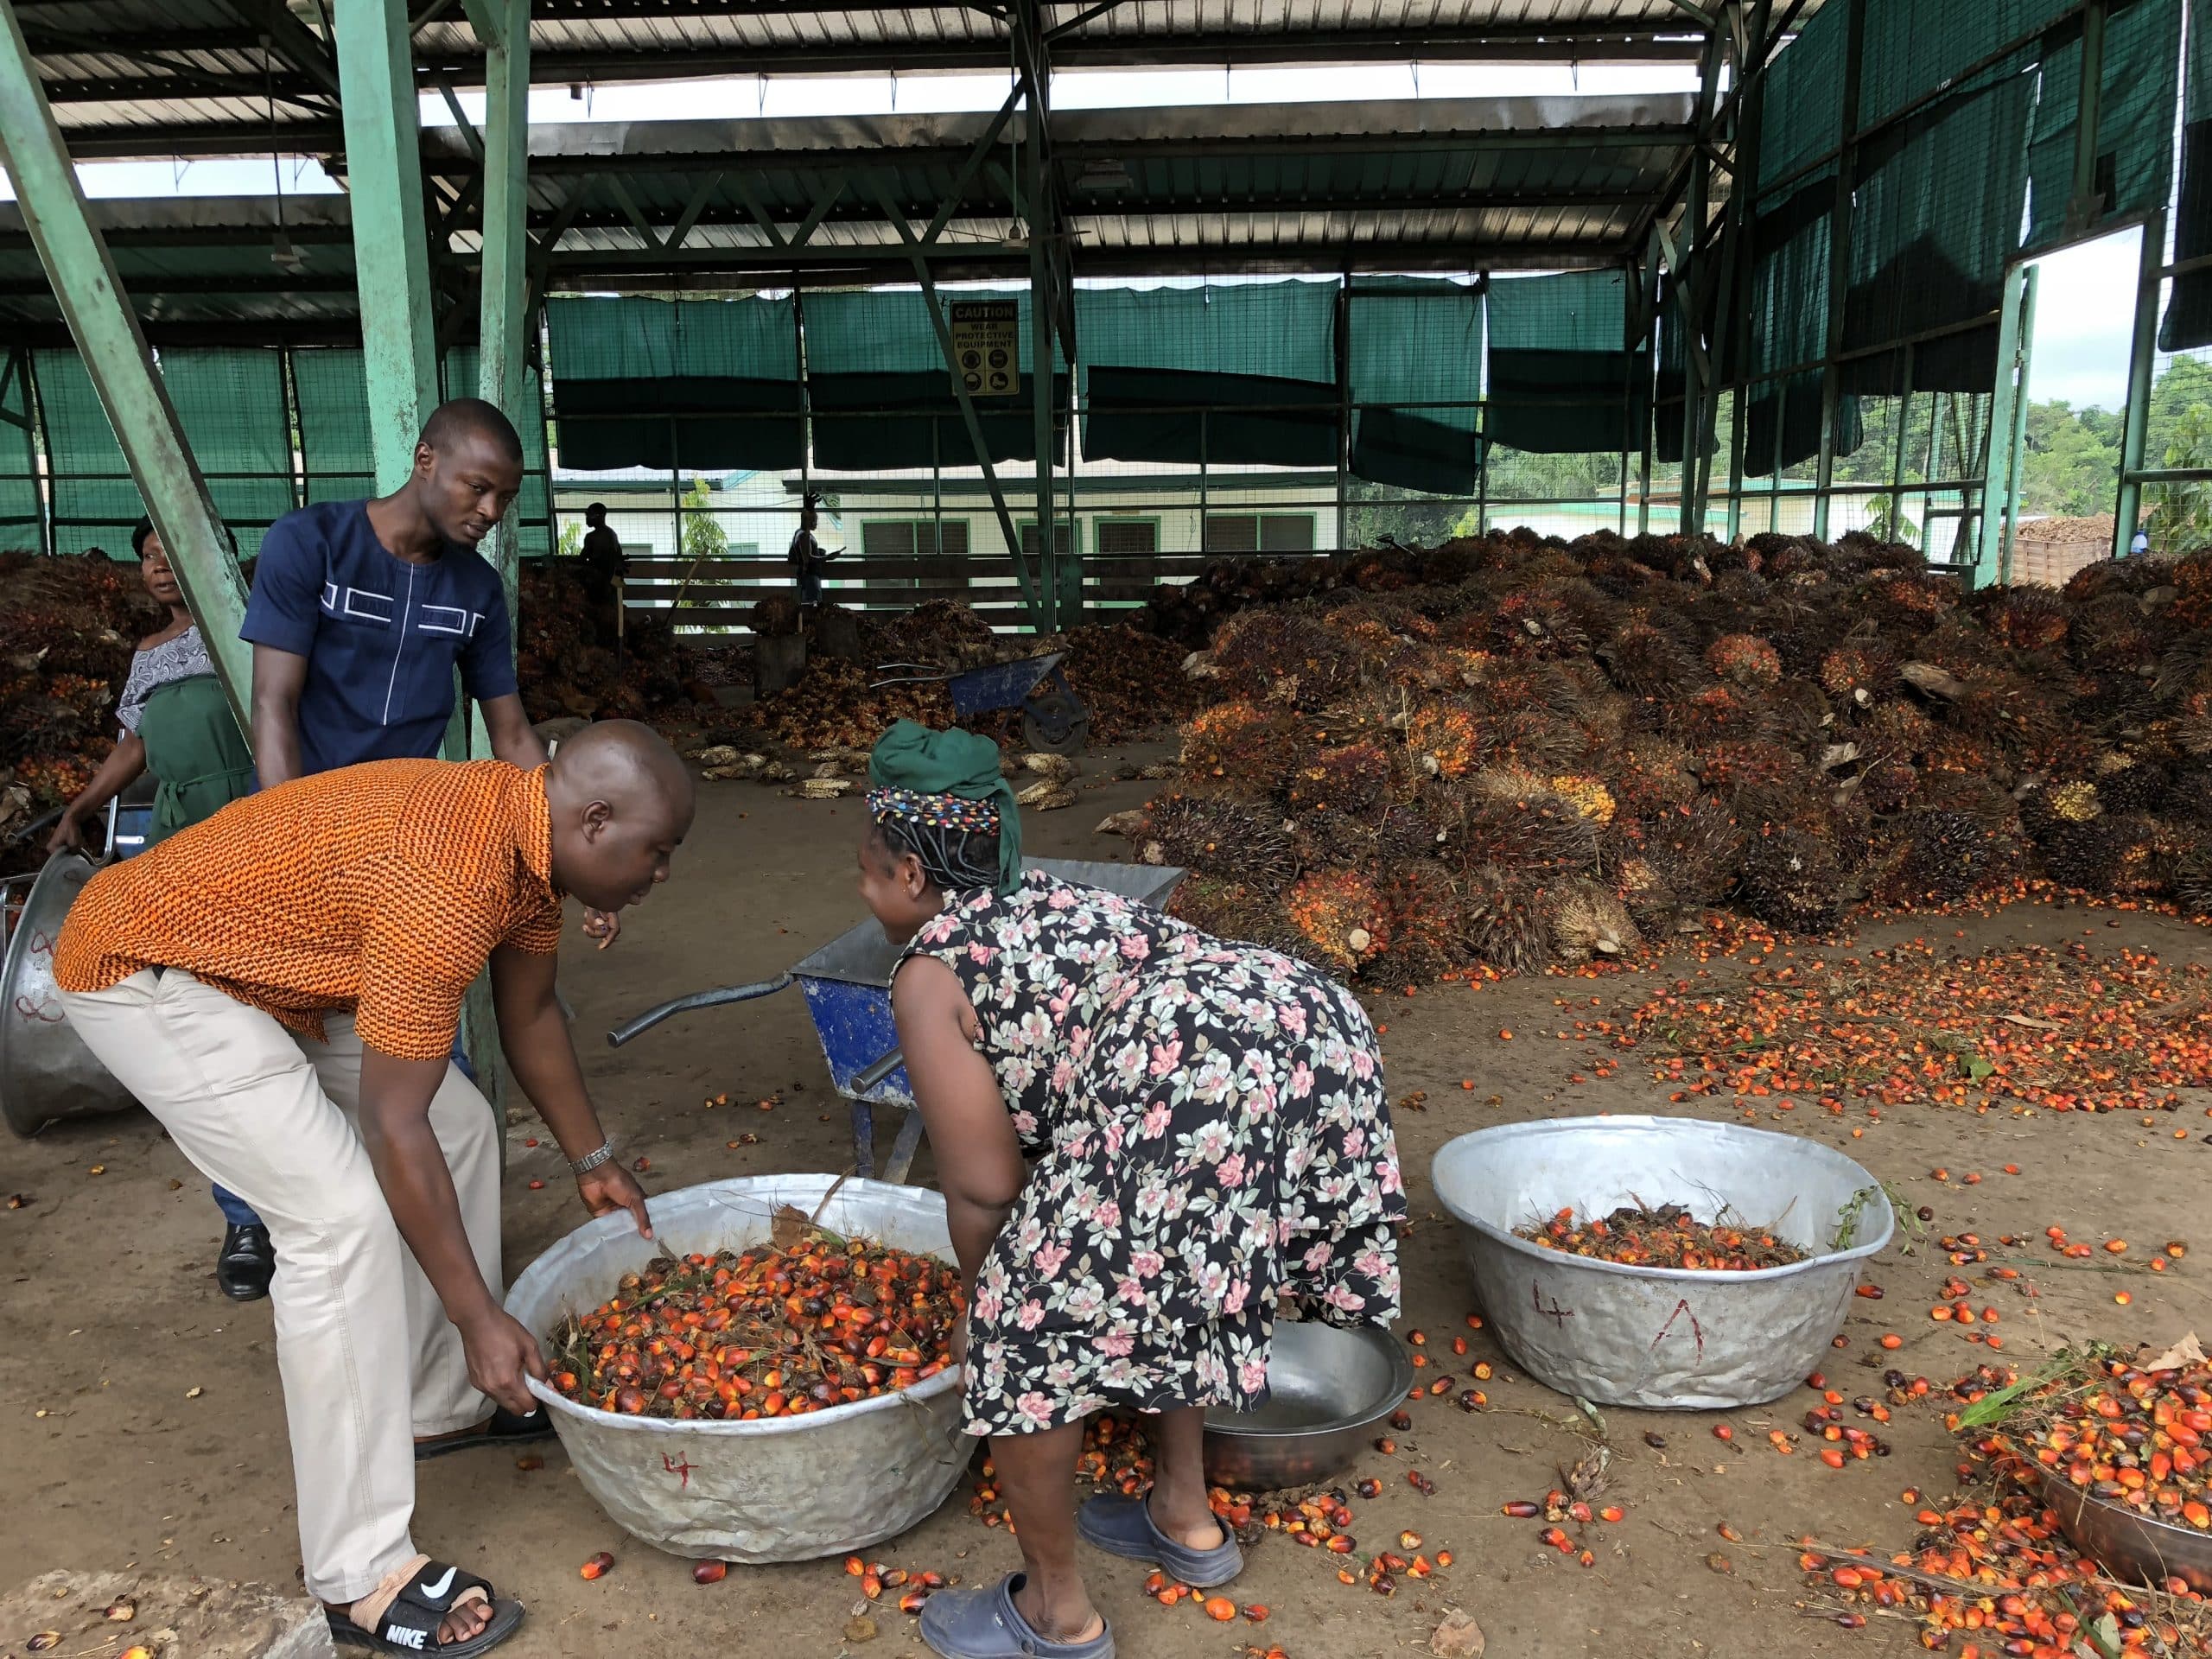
{"x":1056,"y":722}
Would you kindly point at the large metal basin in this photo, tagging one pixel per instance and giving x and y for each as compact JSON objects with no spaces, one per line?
{"x":1327,"y":1388}
{"x":47,"y":1073}
{"x":784,"y":1490}
{"x":1660,"y":1336}
{"x":2133,"y":1546}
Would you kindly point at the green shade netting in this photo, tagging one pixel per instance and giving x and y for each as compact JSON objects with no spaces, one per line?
{"x":333,"y":390}
{"x":1258,"y":357}
{"x":882,"y":396}
{"x":19,"y":503}
{"x":1559,"y":371}
{"x":231,"y":404}
{"x":532,"y":509}
{"x":1802,"y":117}
{"x":2135,"y":118}
{"x":2188,"y":320}
{"x":1790,"y":252}
{"x":1912,"y":47}
{"x":1782,"y":423}
{"x":1939,"y":204}
{"x":675,"y":384}
{"x":95,"y":500}
{"x":1415,"y":342}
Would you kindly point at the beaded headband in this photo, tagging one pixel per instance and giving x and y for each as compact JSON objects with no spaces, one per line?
{"x":936,"y":811}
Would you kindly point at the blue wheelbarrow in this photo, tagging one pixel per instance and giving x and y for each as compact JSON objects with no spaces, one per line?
{"x":846,"y":984}
{"x":1052,"y":717}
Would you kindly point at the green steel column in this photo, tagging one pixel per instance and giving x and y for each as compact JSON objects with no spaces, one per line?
{"x":2082,"y":208}
{"x":2000,"y":489}
{"x":503,"y":28}
{"x":89,"y":295}
{"x":1038,"y":185}
{"x":1839,"y":265}
{"x":391,"y":262}
{"x":2142,"y":361}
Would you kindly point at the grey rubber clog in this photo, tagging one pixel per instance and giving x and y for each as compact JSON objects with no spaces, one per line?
{"x":1123,"y":1526}
{"x":986,"y":1625}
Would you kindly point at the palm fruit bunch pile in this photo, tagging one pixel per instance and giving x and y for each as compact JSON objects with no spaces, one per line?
{"x":569,"y":662}
{"x":68,"y":627}
{"x":1514,"y":751}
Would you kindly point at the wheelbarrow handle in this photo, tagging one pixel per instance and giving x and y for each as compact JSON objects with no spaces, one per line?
{"x":713,"y":999}
{"x":866,"y":1079}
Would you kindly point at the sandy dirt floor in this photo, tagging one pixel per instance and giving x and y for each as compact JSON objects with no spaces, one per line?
{"x":145,"y":1426}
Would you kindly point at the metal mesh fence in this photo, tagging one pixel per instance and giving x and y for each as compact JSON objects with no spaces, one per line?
{"x":19,"y":498}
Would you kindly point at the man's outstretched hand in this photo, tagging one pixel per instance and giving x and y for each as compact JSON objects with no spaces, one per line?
{"x":609,"y":1188}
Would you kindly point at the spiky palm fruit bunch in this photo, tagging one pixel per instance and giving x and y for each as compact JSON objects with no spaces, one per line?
{"x":2010,"y":711}
{"x":1244,"y":748}
{"x":1607,"y":718}
{"x":1406,"y":833}
{"x":1648,"y":662}
{"x":1908,"y":599}
{"x":1502,"y":922}
{"x":2109,"y":577}
{"x":1534,"y":836}
{"x":1949,"y":751}
{"x":1949,"y":856}
{"x":2143,"y":850}
{"x":1355,"y":779}
{"x":2129,"y":780}
{"x":1719,"y":714}
{"x":1226,"y":909}
{"x":1727,"y":768}
{"x":1586,"y":795}
{"x":2030,"y":618}
{"x":2081,"y":855}
{"x":1420,"y":908}
{"x":1593,"y":616}
{"x":2074,"y":802}
{"x":1340,"y":914}
{"x":2190,"y":883}
{"x":1216,"y":835}
{"x":1859,"y":671}
{"x":1279,"y":656}
{"x":1618,"y":576}
{"x":2192,"y":606}
{"x":2190,"y":797}
{"x":1744,"y":659}
{"x":1589,"y":920}
{"x":1789,"y":878}
{"x":1985,"y":800}
{"x":1888,"y":784}
{"x":1652,"y":775}
{"x":1801,"y":713}
{"x":1443,"y":738}
{"x":2112,"y":634}
{"x":1535,"y":625}
{"x":54,"y":779}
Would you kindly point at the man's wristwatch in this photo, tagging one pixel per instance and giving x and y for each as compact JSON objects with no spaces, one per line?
{"x":592,"y":1161}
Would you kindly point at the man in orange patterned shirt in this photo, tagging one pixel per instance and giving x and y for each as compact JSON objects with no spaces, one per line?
{"x":280,"y":984}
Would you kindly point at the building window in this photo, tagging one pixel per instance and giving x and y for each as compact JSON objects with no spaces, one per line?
{"x":908,"y":538}
{"x":1259,"y":532}
{"x":1126,"y":537}
{"x":1064,"y":540}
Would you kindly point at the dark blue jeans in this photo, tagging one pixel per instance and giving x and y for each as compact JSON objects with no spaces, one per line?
{"x":239,"y":1213}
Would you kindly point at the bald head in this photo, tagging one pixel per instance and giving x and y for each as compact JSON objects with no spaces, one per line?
{"x":621,"y":803}
{"x":467,"y":469}
{"x":460,"y":420}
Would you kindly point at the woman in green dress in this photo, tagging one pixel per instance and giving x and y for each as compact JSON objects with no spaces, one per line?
{"x":177,"y":723}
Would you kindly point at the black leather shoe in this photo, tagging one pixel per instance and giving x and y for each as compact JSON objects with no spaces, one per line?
{"x":248,"y":1262}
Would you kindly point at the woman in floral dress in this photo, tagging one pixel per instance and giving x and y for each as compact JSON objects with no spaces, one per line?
{"x":1149,"y":1141}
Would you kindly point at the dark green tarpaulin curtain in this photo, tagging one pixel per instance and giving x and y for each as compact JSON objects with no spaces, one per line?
{"x":1938,"y":214}
{"x":1790,"y":250}
{"x":1558,"y":370}
{"x":675,"y":384}
{"x":1912,"y":47}
{"x":1416,"y":342}
{"x":2135,"y":118}
{"x":1670,"y":390}
{"x":1249,"y":354}
{"x":2188,"y":321}
{"x":95,"y":502}
{"x":335,"y":447}
{"x":531,"y":513}
{"x":19,"y":506}
{"x":231,"y":404}
{"x":882,"y":396}
{"x":1802,"y":114}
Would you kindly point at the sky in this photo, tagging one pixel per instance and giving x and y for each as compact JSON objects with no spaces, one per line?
{"x":2085,"y":294}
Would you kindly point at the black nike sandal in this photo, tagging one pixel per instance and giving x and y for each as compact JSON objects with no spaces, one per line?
{"x":504,"y":1428}
{"x":411,"y":1624}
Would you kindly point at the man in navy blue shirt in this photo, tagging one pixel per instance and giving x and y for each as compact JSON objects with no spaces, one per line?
{"x":360,"y":614}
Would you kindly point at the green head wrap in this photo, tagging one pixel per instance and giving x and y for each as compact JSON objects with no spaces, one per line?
{"x":912,"y":764}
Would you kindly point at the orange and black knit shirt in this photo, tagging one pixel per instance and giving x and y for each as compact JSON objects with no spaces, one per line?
{"x":381,"y":888}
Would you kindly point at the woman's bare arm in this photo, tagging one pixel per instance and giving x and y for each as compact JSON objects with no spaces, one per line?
{"x":978,"y":1159}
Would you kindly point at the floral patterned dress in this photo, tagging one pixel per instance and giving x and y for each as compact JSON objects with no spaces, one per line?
{"x":1210,"y":1134}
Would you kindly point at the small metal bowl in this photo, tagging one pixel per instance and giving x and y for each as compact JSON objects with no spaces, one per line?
{"x":2131,"y":1546}
{"x":1327,"y":1389}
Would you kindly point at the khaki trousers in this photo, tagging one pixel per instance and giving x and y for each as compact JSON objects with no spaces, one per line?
{"x":367,"y":1356}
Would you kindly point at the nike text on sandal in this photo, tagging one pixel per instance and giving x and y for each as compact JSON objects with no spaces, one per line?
{"x":986,"y":1625}
{"x":411,"y":1624}
{"x":504,"y":1428}
{"x":1123,"y":1526}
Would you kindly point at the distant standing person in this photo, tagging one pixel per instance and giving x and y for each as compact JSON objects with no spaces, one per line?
{"x":2139,"y":546}
{"x":807,"y":554}
{"x":176,"y":721}
{"x":360,"y":614}
{"x":605,"y":563}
